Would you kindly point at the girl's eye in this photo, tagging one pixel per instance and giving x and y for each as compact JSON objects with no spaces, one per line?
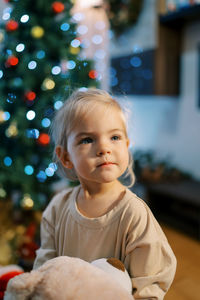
{"x":86,"y":140}
{"x":115,"y":138}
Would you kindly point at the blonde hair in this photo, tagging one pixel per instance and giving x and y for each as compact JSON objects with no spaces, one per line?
{"x":77,"y":106}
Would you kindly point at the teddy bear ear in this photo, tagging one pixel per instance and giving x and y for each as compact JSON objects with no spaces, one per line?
{"x":116,"y":263}
{"x":22,"y":286}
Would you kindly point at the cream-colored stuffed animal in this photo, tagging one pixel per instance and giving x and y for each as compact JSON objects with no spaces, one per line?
{"x":67,"y":278}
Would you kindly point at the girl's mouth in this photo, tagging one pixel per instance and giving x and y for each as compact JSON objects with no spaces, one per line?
{"x":107,"y":163}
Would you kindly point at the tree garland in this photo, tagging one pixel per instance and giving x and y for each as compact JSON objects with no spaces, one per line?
{"x":123,"y":14}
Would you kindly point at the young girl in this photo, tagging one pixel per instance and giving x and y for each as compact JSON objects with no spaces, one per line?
{"x":101,"y":217}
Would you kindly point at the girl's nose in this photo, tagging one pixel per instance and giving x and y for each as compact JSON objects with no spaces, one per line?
{"x":103,"y":149}
{"x":103,"y":152}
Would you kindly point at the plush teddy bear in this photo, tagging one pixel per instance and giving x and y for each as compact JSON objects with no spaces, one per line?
{"x":67,"y":278}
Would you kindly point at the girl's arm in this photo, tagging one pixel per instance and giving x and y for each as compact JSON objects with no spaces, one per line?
{"x":47,"y":248}
{"x":50,"y":218}
{"x":149,"y":258}
{"x":152,"y":269}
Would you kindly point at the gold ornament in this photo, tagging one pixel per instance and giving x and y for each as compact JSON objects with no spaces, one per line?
{"x":37,"y":32}
{"x":74,"y":50}
{"x":27,"y":202}
{"x":12,"y":130}
{"x":1,"y":37}
{"x":9,"y":235}
{"x":2,"y":193}
{"x":20,"y":230}
{"x":2,"y":116}
{"x":5,"y":251}
{"x":48,"y":84}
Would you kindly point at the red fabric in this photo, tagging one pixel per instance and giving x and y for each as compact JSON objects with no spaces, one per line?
{"x":4,"y":281}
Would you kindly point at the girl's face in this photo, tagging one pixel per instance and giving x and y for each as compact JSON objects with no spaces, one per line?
{"x":98,"y":146}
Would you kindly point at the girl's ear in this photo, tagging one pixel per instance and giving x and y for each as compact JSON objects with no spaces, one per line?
{"x":127,"y":142}
{"x":64,"y":157}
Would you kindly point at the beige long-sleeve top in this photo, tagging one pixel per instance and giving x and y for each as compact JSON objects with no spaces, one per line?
{"x":128,"y":232}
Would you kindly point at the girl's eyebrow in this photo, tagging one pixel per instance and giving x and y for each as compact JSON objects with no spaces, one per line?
{"x":80,"y":134}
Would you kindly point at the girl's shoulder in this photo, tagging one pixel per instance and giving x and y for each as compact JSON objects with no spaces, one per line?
{"x":136,"y":209}
{"x":60,"y":200}
{"x":136,"y":203}
{"x":141,"y":218}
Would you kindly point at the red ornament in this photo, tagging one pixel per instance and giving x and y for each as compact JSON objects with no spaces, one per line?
{"x":30,"y":96}
{"x":58,"y":7}
{"x":12,"y":25}
{"x":93,"y":74}
{"x":12,"y":61}
{"x":44,"y":139}
{"x":28,"y":247}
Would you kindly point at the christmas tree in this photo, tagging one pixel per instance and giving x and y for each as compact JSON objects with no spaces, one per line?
{"x":40,"y":65}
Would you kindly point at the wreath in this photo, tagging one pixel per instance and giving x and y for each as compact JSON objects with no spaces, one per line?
{"x":123,"y":14}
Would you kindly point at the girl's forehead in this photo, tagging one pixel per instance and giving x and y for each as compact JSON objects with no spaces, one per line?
{"x":101,"y":111}
{"x":88,"y":110}
{"x":106,"y":114}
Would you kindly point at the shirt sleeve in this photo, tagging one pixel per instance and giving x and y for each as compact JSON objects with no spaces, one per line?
{"x":47,"y":249}
{"x":50,"y":218}
{"x":149,"y":259}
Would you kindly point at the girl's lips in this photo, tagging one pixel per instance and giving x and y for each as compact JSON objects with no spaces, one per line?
{"x":105,"y":164}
